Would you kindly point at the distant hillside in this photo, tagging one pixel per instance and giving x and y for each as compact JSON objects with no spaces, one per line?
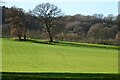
{"x":96,"y":28}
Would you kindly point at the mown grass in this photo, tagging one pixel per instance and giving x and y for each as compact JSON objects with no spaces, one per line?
{"x":37,"y":56}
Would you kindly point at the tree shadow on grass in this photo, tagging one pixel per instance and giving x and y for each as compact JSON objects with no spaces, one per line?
{"x":60,"y":43}
{"x":37,"y":41}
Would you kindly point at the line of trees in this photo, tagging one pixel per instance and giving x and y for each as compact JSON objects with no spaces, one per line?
{"x":46,"y":21}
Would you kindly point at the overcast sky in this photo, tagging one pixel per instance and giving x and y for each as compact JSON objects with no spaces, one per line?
{"x":72,"y":7}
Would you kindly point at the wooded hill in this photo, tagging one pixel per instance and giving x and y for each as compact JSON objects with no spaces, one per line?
{"x":95,"y":28}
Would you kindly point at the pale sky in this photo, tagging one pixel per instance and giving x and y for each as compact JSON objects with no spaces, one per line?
{"x":72,"y":7}
{"x":61,"y":0}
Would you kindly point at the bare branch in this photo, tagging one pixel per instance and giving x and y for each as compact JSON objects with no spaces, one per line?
{"x":47,"y":13}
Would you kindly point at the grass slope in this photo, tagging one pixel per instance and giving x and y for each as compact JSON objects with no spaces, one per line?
{"x":34,"y":57}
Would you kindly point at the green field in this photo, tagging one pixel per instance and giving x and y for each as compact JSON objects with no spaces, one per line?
{"x":35,"y":57}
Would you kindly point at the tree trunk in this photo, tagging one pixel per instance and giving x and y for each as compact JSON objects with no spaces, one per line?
{"x":19,"y":38}
{"x":25,"y":37}
{"x":51,"y":39}
{"x":19,"y":35}
{"x":25,"y":34}
{"x":50,"y":35}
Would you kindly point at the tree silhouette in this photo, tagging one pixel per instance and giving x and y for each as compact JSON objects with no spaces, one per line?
{"x":47,"y":13}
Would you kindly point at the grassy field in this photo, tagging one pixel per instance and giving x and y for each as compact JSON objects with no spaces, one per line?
{"x":60,"y":58}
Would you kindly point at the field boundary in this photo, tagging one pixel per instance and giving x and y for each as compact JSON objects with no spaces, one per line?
{"x":72,"y":44}
{"x":31,"y":76}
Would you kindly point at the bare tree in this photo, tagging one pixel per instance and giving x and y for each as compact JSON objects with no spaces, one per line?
{"x":100,"y":16}
{"x":47,"y":13}
{"x":94,"y":31}
{"x":17,"y":26}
